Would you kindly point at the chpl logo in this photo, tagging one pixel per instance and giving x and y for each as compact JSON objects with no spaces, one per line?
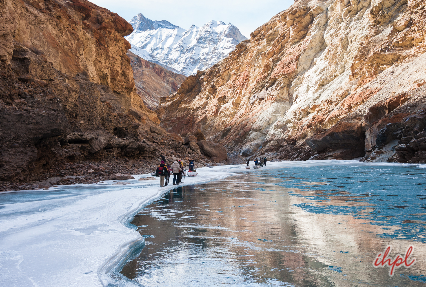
{"x":393,"y":263}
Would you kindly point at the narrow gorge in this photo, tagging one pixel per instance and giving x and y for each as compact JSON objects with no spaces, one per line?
{"x":330,"y":79}
{"x":69,"y":108}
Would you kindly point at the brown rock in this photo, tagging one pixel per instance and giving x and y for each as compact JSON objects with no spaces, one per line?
{"x":152,"y":81}
{"x":213,"y":150}
{"x":346,"y":139}
{"x":418,"y":144}
{"x":189,"y":138}
{"x":67,"y":94}
{"x":119,"y":176}
{"x":199,"y":135}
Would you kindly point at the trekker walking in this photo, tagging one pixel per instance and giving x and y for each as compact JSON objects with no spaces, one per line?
{"x":179,"y":179}
{"x":161,"y":171}
{"x":248,"y":161}
{"x":264,"y":161}
{"x":176,"y":171}
{"x":168,"y":174}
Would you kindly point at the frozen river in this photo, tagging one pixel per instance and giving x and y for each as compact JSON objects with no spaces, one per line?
{"x":315,"y":223}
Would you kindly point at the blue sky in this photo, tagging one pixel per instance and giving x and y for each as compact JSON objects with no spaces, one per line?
{"x":247,"y":15}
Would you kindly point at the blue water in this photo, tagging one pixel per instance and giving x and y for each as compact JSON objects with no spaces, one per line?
{"x":299,"y":224}
{"x":394,"y":195}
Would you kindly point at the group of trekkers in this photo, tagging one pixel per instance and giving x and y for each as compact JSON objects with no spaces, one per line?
{"x":164,"y":171}
{"x":258,"y":162}
{"x":177,"y":169}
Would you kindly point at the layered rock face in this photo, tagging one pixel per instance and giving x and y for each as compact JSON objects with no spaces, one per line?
{"x":183,"y":51}
{"x":152,"y":81}
{"x":67,"y":92}
{"x":323,"y":79}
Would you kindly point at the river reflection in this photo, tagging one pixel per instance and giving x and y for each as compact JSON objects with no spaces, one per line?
{"x":251,"y":230}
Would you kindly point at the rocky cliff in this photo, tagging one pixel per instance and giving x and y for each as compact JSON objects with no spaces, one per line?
{"x":322,"y":79}
{"x":67,"y":94}
{"x":152,"y":81}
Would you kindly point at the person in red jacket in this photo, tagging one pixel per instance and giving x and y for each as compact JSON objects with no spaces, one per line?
{"x":161,"y":172}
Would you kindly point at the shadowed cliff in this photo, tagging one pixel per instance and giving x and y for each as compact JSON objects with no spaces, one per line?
{"x":67,"y":93}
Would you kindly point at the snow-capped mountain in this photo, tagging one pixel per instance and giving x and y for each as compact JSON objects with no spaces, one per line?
{"x":140,"y":23}
{"x":183,"y":51}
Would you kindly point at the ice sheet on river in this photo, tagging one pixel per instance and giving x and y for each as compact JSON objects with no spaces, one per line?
{"x":70,"y":235}
{"x":76,"y":235}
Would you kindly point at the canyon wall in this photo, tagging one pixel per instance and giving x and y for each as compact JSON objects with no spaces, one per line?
{"x":323,"y":79}
{"x":152,"y":81}
{"x":67,"y":92}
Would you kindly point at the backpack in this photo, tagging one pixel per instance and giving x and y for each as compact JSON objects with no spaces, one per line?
{"x":159,"y":171}
{"x":164,"y":171}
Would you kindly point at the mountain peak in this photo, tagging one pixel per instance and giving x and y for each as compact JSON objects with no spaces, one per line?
{"x":229,"y":30}
{"x":215,"y":23}
{"x":184,"y":51}
{"x":141,"y":23}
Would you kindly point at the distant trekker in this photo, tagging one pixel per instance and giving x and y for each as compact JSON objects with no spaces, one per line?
{"x":168,"y":174}
{"x":264,"y":161}
{"x":176,"y":171}
{"x":179,"y":177}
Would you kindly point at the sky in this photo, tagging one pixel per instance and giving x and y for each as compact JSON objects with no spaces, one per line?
{"x":247,"y":15}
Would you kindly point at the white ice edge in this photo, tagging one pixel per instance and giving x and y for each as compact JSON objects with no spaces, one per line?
{"x":130,"y":250}
{"x":78,"y":235}
{"x":84,"y":239}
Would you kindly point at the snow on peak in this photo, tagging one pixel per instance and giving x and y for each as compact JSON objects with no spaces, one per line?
{"x":141,"y":23}
{"x":183,"y":51}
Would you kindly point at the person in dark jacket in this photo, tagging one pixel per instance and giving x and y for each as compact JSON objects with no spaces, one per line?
{"x":168,"y":175}
{"x":179,"y":179}
{"x":264,"y":161}
{"x":191,"y":165}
